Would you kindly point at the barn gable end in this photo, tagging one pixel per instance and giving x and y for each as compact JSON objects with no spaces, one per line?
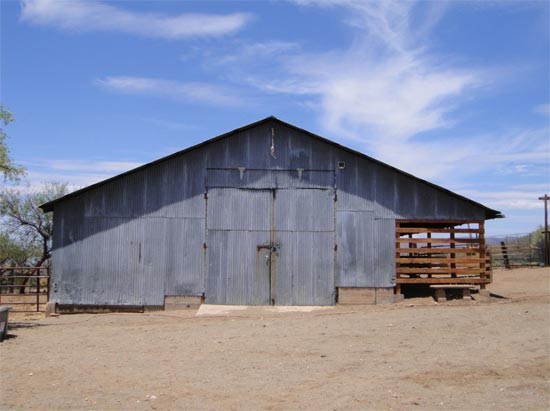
{"x":266,"y":214}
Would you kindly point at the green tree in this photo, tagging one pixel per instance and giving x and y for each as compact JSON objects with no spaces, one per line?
{"x":9,"y":171}
{"x":537,"y":244}
{"x":15,"y":253}
{"x":27,"y":222}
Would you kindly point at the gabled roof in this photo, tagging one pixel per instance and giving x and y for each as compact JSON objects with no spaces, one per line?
{"x":489,"y":213}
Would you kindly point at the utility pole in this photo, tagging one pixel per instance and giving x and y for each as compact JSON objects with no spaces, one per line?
{"x":545,"y":198}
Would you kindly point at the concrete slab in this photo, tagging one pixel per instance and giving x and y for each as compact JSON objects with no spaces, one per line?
{"x":211,"y":309}
{"x":206,"y":310}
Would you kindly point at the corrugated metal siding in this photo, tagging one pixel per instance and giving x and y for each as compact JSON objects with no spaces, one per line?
{"x":162,"y":209}
{"x":238,"y":221}
{"x":134,"y":240}
{"x":304,"y":210}
{"x":305,"y":268}
{"x":236,"y":209}
{"x":304,"y":230}
{"x":255,"y":178}
{"x":232,"y":263}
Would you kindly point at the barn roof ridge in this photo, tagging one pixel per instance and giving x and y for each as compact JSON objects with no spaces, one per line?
{"x":49,"y":206}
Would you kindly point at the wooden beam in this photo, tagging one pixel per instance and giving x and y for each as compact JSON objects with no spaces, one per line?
{"x":443,"y":260}
{"x":447,"y":280}
{"x":407,"y":230}
{"x":437,"y":250}
{"x":439,"y":271}
{"x":439,"y":240}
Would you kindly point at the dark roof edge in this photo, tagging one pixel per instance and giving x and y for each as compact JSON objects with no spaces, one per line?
{"x":489,"y":213}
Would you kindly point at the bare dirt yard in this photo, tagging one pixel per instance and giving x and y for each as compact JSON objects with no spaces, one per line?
{"x":487,"y":354}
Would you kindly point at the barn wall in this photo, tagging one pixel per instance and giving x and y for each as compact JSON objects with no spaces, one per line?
{"x":133,"y":240}
{"x":140,"y":237}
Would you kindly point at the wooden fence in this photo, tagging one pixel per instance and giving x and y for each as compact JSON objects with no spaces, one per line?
{"x":516,"y":251}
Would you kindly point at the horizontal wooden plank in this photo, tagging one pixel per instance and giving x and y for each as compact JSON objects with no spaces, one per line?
{"x":457,"y":286}
{"x":442,"y":281}
{"x":439,"y":260}
{"x":439,"y":271}
{"x":439,"y":240}
{"x":439,"y":250}
{"x":416,"y":230}
{"x":437,"y":221}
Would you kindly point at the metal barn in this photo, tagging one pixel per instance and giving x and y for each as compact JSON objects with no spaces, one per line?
{"x":265,"y":214}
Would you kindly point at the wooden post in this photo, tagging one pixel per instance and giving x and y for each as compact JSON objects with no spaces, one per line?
{"x":545,"y":198}
{"x":429,"y":235}
{"x":481,"y":238}
{"x":505,"y":254}
{"x":48,"y":284}
{"x":397,"y":255}
{"x":453,"y":256}
{"x":37,"y":291}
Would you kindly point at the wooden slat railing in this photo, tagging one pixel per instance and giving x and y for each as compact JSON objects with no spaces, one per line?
{"x":441,"y":252}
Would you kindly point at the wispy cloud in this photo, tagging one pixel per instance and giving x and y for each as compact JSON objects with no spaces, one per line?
{"x":170,"y":124}
{"x":181,"y":91}
{"x":509,"y":199}
{"x":258,"y":50}
{"x":88,"y":165}
{"x":386,"y":84}
{"x":518,"y":152}
{"x":76,"y":173}
{"x":87,"y":16}
{"x":543,"y":109}
{"x":388,"y":87}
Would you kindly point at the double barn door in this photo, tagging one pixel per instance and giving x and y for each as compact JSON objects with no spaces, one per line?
{"x":270,"y":246}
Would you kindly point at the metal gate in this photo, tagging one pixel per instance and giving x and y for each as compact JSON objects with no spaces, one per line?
{"x":26,"y":289}
{"x":270,"y":246}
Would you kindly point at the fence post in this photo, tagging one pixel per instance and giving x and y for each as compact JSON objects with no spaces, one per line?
{"x":48,"y":283}
{"x":505,"y":254}
{"x":38,"y":290}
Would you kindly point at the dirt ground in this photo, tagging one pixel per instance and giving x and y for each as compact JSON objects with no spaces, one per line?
{"x":487,"y":354}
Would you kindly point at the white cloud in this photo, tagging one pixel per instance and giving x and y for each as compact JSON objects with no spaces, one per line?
{"x":258,"y":50}
{"x":181,"y":91}
{"x":91,"y":15}
{"x":173,"y":125}
{"x":543,"y":109}
{"x":77,"y":173}
{"x":88,"y":165}
{"x":509,"y":199}
{"x":386,"y":85}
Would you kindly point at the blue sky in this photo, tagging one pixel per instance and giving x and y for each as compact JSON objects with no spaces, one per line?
{"x":453,"y":92}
